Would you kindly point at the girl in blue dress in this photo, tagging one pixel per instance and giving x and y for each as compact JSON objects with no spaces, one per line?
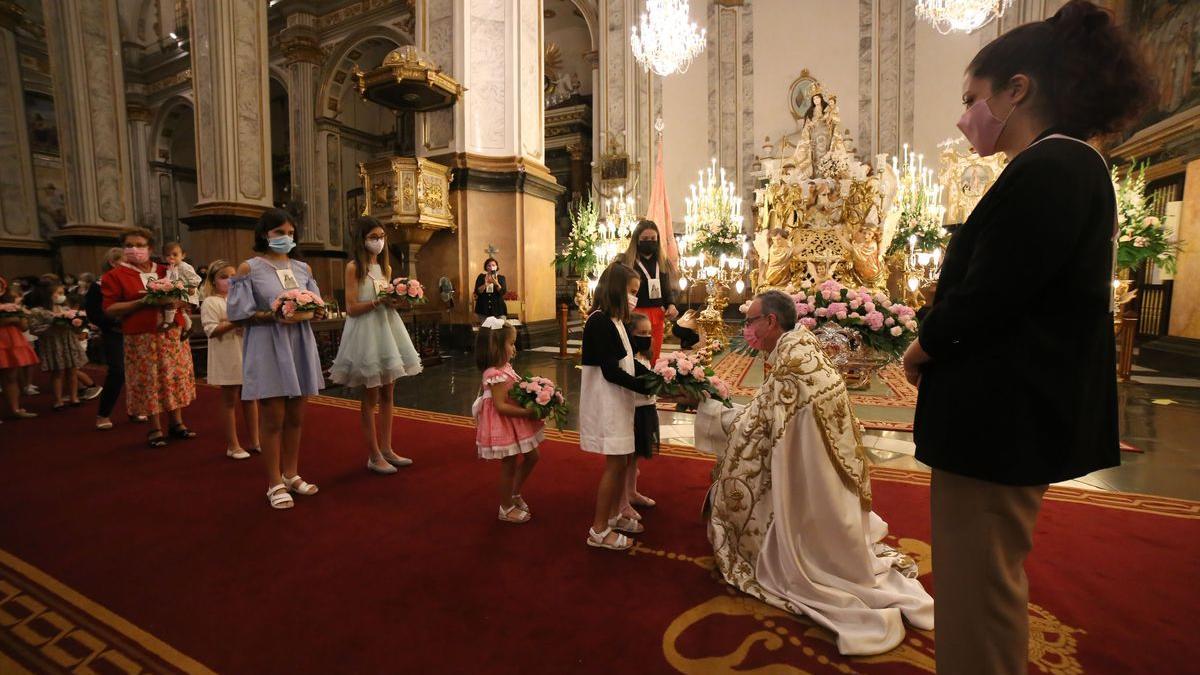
{"x":280,"y":364}
{"x":375,"y":348}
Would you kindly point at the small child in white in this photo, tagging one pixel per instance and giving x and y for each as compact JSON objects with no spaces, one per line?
{"x":179,"y":270}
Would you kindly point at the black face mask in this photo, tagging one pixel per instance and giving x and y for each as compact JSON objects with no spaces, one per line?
{"x":640,"y":343}
{"x":648,"y":247}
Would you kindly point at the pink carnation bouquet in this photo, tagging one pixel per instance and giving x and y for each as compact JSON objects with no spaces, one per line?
{"x":297,"y":304}
{"x":681,"y":374}
{"x":540,"y":395}
{"x":163,"y":291}
{"x":403,"y":288}
{"x":885,"y":326}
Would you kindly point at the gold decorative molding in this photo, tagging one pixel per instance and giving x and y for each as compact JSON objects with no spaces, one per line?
{"x":136,"y":112}
{"x":169,"y":81}
{"x":1158,"y":138}
{"x":299,"y":44}
{"x":401,"y":69}
{"x":237,"y":209}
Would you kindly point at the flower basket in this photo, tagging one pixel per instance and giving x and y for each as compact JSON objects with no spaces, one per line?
{"x":297,"y":305}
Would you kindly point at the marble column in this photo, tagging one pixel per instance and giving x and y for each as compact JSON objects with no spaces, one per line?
{"x":18,"y":209}
{"x":233,"y":168}
{"x":887,"y":73}
{"x":301,"y":48}
{"x":502,"y":194}
{"x":84,"y":42}
{"x":140,"y":118}
{"x":731,"y":90}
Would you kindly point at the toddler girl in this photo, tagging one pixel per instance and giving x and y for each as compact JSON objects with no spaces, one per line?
{"x":645,"y":416}
{"x":503,"y":429}
{"x":60,"y":353}
{"x":225,"y":359}
{"x":15,"y":354}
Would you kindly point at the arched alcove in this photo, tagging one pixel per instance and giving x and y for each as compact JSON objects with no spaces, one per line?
{"x":173,"y":167}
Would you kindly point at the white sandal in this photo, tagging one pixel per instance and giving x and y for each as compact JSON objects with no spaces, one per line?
{"x":506,"y":515}
{"x":278,"y":497}
{"x":519,"y":502}
{"x":600,"y":540}
{"x":297,"y":485}
{"x":626,"y":525}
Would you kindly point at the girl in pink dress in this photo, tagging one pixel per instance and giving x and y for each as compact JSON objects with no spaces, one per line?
{"x":503,"y":429}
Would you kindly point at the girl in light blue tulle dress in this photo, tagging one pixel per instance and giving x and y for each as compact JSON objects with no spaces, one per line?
{"x":376,"y":349}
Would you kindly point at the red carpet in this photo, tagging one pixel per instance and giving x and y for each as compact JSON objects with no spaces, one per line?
{"x":412,"y":573}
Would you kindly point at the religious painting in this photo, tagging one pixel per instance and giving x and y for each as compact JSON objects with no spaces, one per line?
{"x":800,"y":94}
{"x":1168,"y":35}
{"x":43,"y":124}
{"x":50,"y":187}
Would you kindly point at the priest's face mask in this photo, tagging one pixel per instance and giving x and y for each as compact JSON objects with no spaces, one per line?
{"x":761,"y":331}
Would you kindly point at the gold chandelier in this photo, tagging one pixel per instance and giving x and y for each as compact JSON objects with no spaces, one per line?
{"x":966,"y":16}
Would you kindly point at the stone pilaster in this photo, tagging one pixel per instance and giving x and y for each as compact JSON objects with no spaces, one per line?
{"x":494,"y":139}
{"x":731,"y":89}
{"x":140,"y":119}
{"x":302,"y":51}
{"x":89,"y":92}
{"x":18,"y":209}
{"x":887,"y":72}
{"x":233,"y":155}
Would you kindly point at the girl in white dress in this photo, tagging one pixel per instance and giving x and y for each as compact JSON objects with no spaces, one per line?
{"x":375,"y":348}
{"x":606,"y":401}
{"x":225,"y":359}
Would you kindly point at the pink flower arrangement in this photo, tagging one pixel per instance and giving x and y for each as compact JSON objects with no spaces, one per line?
{"x":297,"y":301}
{"x":542,"y":396}
{"x":164,"y":290}
{"x":680,"y":373}
{"x":74,"y":319}
{"x":11,"y":309}
{"x":403,"y":288}
{"x":884,"y":325}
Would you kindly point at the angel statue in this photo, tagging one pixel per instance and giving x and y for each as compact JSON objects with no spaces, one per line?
{"x":820,"y":134}
{"x":777,"y":266}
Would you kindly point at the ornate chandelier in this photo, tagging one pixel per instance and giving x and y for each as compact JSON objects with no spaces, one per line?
{"x":961,"y":15}
{"x":667,"y":41}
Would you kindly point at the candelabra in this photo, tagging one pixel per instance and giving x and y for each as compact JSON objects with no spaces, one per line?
{"x":717,"y":249}
{"x":616,"y":227}
{"x":919,"y":200}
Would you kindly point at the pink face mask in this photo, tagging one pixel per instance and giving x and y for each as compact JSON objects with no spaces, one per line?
{"x":751,"y":337}
{"x":222,"y":285}
{"x":982,"y":128}
{"x":136,"y":256}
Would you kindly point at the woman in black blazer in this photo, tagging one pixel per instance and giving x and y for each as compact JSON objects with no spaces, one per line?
{"x":1015,"y":360}
{"x":490,"y":288}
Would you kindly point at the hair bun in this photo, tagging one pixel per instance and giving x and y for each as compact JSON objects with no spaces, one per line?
{"x":1080,"y":15}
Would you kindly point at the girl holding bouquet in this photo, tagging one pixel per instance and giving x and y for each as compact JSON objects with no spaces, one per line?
{"x":15,"y":351}
{"x":375,"y":350}
{"x":280,"y":364}
{"x":645,"y":416}
{"x":225,"y":358}
{"x":158,"y":363}
{"x":607,"y":402}
{"x":58,"y":340}
{"x":503,"y":429}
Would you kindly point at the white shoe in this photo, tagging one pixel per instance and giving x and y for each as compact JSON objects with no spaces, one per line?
{"x":90,"y":393}
{"x":237,"y":454}
{"x":395,"y":460}
{"x":386,"y":469}
{"x":32,"y":390}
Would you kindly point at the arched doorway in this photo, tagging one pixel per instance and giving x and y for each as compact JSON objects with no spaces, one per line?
{"x":173,"y":168}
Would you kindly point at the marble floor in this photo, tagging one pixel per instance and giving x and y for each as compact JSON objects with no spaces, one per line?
{"x":1160,"y":415}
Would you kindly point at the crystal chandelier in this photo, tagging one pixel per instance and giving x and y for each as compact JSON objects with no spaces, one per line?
{"x":961,"y":15}
{"x":667,"y":41}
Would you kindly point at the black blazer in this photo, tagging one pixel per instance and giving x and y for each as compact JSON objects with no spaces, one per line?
{"x":602,"y":347}
{"x":1022,"y":388}
{"x":491,"y":304}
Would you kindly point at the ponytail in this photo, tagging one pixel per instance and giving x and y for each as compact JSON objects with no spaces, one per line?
{"x":1088,"y":79}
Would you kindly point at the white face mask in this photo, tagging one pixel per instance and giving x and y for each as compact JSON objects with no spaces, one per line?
{"x":60,"y":299}
{"x":375,"y":245}
{"x":633,"y":301}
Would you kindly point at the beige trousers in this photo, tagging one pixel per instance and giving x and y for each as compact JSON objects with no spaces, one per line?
{"x":982,"y":533}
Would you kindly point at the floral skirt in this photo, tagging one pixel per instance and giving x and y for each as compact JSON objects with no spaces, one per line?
{"x":158,"y":373}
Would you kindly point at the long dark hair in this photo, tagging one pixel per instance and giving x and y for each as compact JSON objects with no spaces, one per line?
{"x":358,"y":244}
{"x":612,"y":290}
{"x":1088,"y":79}
{"x":631,"y":253}
{"x":42,"y":294}
{"x":269,"y":220}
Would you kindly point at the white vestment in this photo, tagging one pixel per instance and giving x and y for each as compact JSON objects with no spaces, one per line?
{"x":791,"y":519}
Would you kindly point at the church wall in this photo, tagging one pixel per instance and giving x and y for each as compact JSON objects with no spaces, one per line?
{"x":685,"y":134}
{"x":937,"y":91}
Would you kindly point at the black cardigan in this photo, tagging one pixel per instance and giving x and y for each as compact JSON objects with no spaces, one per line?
{"x":1022,"y":387}
{"x":491,"y":304}
{"x":664,"y":281}
{"x":602,"y":347}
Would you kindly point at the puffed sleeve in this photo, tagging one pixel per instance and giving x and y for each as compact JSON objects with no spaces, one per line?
{"x":241,"y":304}
{"x":210,"y":315}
